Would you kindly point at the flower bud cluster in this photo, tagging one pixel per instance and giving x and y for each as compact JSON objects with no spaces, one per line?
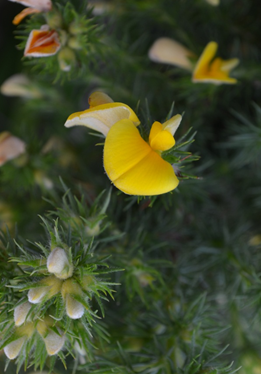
{"x":60,"y":280}
{"x":60,"y":34}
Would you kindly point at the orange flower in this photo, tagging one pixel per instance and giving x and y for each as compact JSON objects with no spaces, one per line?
{"x":34,"y":6}
{"x":42,"y":43}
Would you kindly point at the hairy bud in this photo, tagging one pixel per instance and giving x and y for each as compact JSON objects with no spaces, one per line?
{"x":66,"y":59}
{"x":20,"y":313}
{"x":74,"y":309}
{"x":58,"y":263}
{"x":51,"y":286}
{"x":13,"y":349}
{"x":53,"y":341}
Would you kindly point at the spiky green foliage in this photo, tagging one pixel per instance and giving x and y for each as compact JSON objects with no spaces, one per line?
{"x":183,"y":268}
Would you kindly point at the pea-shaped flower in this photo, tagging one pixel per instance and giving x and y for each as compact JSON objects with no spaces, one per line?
{"x":42,"y":43}
{"x":206,"y":69}
{"x":133,"y":165}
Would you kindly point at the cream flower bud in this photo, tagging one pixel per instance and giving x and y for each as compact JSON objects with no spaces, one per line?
{"x":51,"y":286}
{"x":20,"y":313}
{"x":58,"y":263}
{"x":54,"y":342}
{"x":66,"y":59}
{"x":23,"y":333}
{"x":36,"y":295}
{"x":93,"y":230}
{"x":74,"y":309}
{"x":73,"y":43}
{"x":54,"y":20}
{"x":13,"y":349}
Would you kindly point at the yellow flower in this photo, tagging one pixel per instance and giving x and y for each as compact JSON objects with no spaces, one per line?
{"x":133,"y":165}
{"x":216,"y":71}
{"x":34,"y":6}
{"x":102,"y":114}
{"x":206,"y":69}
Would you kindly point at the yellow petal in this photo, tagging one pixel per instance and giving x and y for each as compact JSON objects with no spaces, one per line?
{"x":98,"y":98}
{"x":169,"y":51}
{"x":102,"y":117}
{"x":172,"y":124}
{"x":155,"y":129}
{"x":207,"y":55}
{"x":25,"y":12}
{"x":163,"y":141}
{"x":124,"y":148}
{"x":159,"y":139}
{"x":151,"y":176}
{"x":133,"y":166}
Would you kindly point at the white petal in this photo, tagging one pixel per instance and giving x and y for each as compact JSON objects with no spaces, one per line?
{"x":172,"y":124}
{"x":169,"y":51}
{"x":43,"y":5}
{"x":100,"y":120}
